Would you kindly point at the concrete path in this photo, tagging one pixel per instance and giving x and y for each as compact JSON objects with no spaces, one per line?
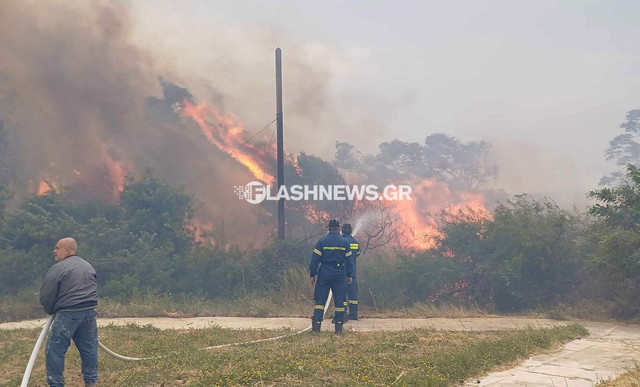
{"x":610,"y":349}
{"x":363,"y":325}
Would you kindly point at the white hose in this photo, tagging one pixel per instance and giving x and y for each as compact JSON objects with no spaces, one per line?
{"x":128,"y":358}
{"x":45,"y":329}
{"x":34,"y":353}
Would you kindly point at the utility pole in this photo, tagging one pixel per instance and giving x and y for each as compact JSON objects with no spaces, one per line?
{"x":280,"y":142}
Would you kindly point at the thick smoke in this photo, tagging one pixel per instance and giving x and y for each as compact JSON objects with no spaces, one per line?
{"x":77,"y":99}
{"x":72,"y":88}
{"x":86,"y":102}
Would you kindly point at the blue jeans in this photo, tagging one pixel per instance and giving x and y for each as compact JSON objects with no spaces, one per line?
{"x":82,"y":328}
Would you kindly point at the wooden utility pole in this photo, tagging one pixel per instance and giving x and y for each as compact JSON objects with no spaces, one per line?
{"x":280,"y":146}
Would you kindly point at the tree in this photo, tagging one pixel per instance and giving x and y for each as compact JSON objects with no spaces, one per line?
{"x":5,"y":156}
{"x":5,"y":171}
{"x":526,"y":256}
{"x":534,"y":257}
{"x":467,"y":166}
{"x":618,"y":239}
{"x":27,"y":238}
{"x":5,"y":196}
{"x":624,"y":148}
{"x":347,"y":156}
{"x":151,"y":206}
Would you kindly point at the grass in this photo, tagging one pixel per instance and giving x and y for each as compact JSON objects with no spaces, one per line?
{"x":418,"y":357}
{"x":628,"y":379}
{"x":26,"y":306}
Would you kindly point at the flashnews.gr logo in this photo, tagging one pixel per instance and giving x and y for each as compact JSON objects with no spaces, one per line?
{"x":256,"y":192}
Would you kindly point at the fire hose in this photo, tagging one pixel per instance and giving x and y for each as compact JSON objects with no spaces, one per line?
{"x":47,"y":325}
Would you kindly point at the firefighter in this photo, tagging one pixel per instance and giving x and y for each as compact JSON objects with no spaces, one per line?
{"x":352,"y":287}
{"x":333,"y":256}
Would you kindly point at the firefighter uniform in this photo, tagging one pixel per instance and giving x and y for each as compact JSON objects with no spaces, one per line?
{"x":352,"y":288}
{"x":331,"y":262}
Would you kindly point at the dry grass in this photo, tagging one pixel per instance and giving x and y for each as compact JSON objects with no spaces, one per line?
{"x":417,"y":357}
{"x":628,"y":379}
{"x":294,"y":300}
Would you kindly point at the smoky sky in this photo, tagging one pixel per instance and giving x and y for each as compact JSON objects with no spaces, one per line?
{"x":84,"y":108}
{"x":71,"y":84}
{"x":547,"y":82}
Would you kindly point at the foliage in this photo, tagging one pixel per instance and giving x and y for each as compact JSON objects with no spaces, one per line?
{"x":624,"y":149}
{"x":272,"y":262}
{"x":152,"y":207}
{"x":137,"y":244}
{"x":466,"y":166}
{"x":534,"y":255}
{"x":618,"y":240}
{"x":411,"y":279}
{"x":526,"y":257}
{"x":6,"y":167}
{"x":5,"y":196}
{"x":143,"y":244}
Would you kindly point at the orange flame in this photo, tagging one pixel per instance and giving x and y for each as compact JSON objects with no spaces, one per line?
{"x":45,"y":187}
{"x":202,"y":231}
{"x":428,"y":199}
{"x":294,"y":162}
{"x":227,"y":136}
{"x":109,"y":177}
{"x":315,"y":215}
{"x":116,"y":170}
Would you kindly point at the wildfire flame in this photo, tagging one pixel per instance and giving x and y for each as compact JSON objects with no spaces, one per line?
{"x":315,"y":215}
{"x":106,"y":178}
{"x":428,"y":199}
{"x":202,"y":231}
{"x":116,"y":170}
{"x":227,"y":136}
{"x":45,"y":187}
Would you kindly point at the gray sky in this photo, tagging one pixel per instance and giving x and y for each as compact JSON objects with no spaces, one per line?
{"x":545,"y":82}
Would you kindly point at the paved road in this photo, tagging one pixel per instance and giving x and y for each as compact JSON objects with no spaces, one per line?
{"x":608,"y":351}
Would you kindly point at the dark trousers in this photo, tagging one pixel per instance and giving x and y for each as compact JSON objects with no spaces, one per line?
{"x":337,"y":282}
{"x":81,"y":327}
{"x":352,"y":296}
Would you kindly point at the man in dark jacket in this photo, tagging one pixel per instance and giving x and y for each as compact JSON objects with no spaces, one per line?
{"x":70,"y":291}
{"x":333,"y":256}
{"x":352,"y":287}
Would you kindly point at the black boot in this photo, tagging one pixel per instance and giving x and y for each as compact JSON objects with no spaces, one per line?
{"x":338,"y":328}
{"x":315,"y":326}
{"x":353,"y":312}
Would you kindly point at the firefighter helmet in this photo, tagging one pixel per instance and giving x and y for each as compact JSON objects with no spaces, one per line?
{"x":333,"y":223}
{"x":346,"y":229}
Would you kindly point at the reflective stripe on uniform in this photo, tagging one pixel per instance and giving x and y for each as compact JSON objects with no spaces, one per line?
{"x":345,"y":303}
{"x":354,"y":246}
{"x":321,"y":307}
{"x":333,"y":248}
{"x":354,"y":302}
{"x":348,"y":254}
{"x":317,"y":251}
{"x":339,"y":309}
